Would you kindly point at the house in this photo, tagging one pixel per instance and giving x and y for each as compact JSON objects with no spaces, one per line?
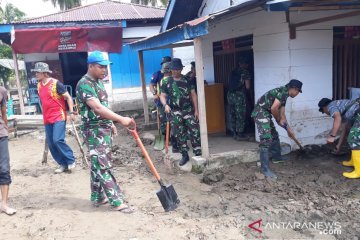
{"x":317,"y":42}
{"x":64,"y":39}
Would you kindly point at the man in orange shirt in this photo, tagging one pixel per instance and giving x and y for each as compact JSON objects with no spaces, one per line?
{"x":52,"y":95}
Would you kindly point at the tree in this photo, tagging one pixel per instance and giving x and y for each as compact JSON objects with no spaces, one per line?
{"x":11,"y":14}
{"x":65,"y":4}
{"x":154,"y":3}
{"x":5,"y":73}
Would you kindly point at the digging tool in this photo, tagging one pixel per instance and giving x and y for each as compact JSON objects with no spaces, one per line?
{"x":294,"y":138}
{"x":167,"y":195}
{"x":80,"y":145}
{"x":45,"y":154}
{"x":167,"y":160}
{"x":159,"y":139}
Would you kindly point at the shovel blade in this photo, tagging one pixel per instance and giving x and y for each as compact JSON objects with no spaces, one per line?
{"x":168,"y":198}
{"x":159,"y":143}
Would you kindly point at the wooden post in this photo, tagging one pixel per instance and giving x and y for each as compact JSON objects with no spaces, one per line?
{"x":199,"y":65}
{"x":18,"y":84}
{"x":143,"y":86}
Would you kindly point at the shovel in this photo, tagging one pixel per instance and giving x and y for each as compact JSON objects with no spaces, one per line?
{"x":167,"y":195}
{"x":295,"y":139}
{"x":167,"y":160}
{"x":80,"y":145}
{"x":159,"y":139}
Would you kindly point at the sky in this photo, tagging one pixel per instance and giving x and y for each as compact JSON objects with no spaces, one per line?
{"x":37,"y":8}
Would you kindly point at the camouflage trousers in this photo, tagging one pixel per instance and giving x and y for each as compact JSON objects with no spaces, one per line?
{"x":102,"y":182}
{"x":184,"y":127}
{"x":237,"y":102}
{"x":163,"y":119}
{"x":266,"y":129}
{"x":354,"y":135}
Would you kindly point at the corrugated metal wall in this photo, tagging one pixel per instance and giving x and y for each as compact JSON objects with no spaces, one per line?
{"x":125,"y":68}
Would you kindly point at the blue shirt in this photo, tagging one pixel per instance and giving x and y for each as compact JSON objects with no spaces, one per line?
{"x":340,"y":107}
{"x":156,"y":78}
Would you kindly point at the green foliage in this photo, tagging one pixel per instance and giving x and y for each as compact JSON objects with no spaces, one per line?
{"x":5,"y":73}
{"x":65,"y":4}
{"x":153,"y":3}
{"x":11,"y":14}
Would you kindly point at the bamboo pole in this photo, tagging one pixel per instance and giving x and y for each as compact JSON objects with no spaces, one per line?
{"x":143,"y":86}
{"x":18,"y":84}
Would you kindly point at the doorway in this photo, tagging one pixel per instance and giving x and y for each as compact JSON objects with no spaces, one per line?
{"x":226,"y":57}
{"x":346,"y":61}
{"x":74,"y":67}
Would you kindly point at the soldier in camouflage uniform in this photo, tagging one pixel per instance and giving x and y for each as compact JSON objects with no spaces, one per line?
{"x":154,"y":87}
{"x":165,"y":69}
{"x":271,"y":104}
{"x":182,"y":104}
{"x":239,"y":85}
{"x":97,"y":130}
{"x":345,"y":112}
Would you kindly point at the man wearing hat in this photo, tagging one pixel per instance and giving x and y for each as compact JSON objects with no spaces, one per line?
{"x":239,"y":86}
{"x":272,"y":104}
{"x":345,"y":112}
{"x":97,"y":129}
{"x":53,"y":95}
{"x":179,"y":98}
{"x":165,"y":70}
{"x":155,"y":90}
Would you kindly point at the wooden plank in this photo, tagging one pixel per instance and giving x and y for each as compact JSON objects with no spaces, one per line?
{"x":18,"y":84}
{"x":201,"y":97}
{"x":326,"y":19}
{"x":143,"y":87}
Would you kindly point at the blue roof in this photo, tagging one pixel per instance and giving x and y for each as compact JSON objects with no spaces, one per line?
{"x":190,"y":29}
{"x":180,"y":11}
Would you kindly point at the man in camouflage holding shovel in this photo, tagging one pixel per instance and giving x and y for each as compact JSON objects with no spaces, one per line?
{"x":179,"y":98}
{"x":97,"y":130}
{"x":272,"y":104}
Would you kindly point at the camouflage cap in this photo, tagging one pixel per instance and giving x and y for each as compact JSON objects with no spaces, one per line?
{"x":165,"y":68}
{"x":41,"y":67}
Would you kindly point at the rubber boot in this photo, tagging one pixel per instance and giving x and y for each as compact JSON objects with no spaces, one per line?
{"x":275,"y":151}
{"x":349,"y":163}
{"x":264,"y":159}
{"x":185,"y":158}
{"x":173,"y":142}
{"x":356,"y":159}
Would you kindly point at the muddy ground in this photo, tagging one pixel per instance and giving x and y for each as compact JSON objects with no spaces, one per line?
{"x":309,"y":195}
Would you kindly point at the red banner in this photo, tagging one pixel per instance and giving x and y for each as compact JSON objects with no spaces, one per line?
{"x":68,"y":39}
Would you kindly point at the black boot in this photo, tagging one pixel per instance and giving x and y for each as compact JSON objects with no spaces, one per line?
{"x":173,"y":142}
{"x":275,"y":151}
{"x":264,"y":159}
{"x":184,"y":159}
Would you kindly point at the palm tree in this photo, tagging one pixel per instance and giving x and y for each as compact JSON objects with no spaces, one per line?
{"x":65,"y":4}
{"x":153,"y":3}
{"x":10,"y":14}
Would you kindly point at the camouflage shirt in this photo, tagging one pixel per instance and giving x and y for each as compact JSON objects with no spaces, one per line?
{"x":266,"y":101}
{"x":86,"y":89}
{"x":178,"y":93}
{"x":237,"y":79}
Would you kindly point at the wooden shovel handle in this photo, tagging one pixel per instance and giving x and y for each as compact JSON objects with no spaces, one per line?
{"x":167,"y":137}
{"x":297,"y":142}
{"x":145,"y":153}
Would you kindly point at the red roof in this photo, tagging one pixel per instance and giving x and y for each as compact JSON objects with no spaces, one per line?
{"x":103,"y":11}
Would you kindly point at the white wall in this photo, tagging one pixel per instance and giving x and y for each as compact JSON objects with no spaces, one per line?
{"x":34,"y":57}
{"x":186,"y":54}
{"x":140,"y":32}
{"x":277,"y":59}
{"x":211,"y":6}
